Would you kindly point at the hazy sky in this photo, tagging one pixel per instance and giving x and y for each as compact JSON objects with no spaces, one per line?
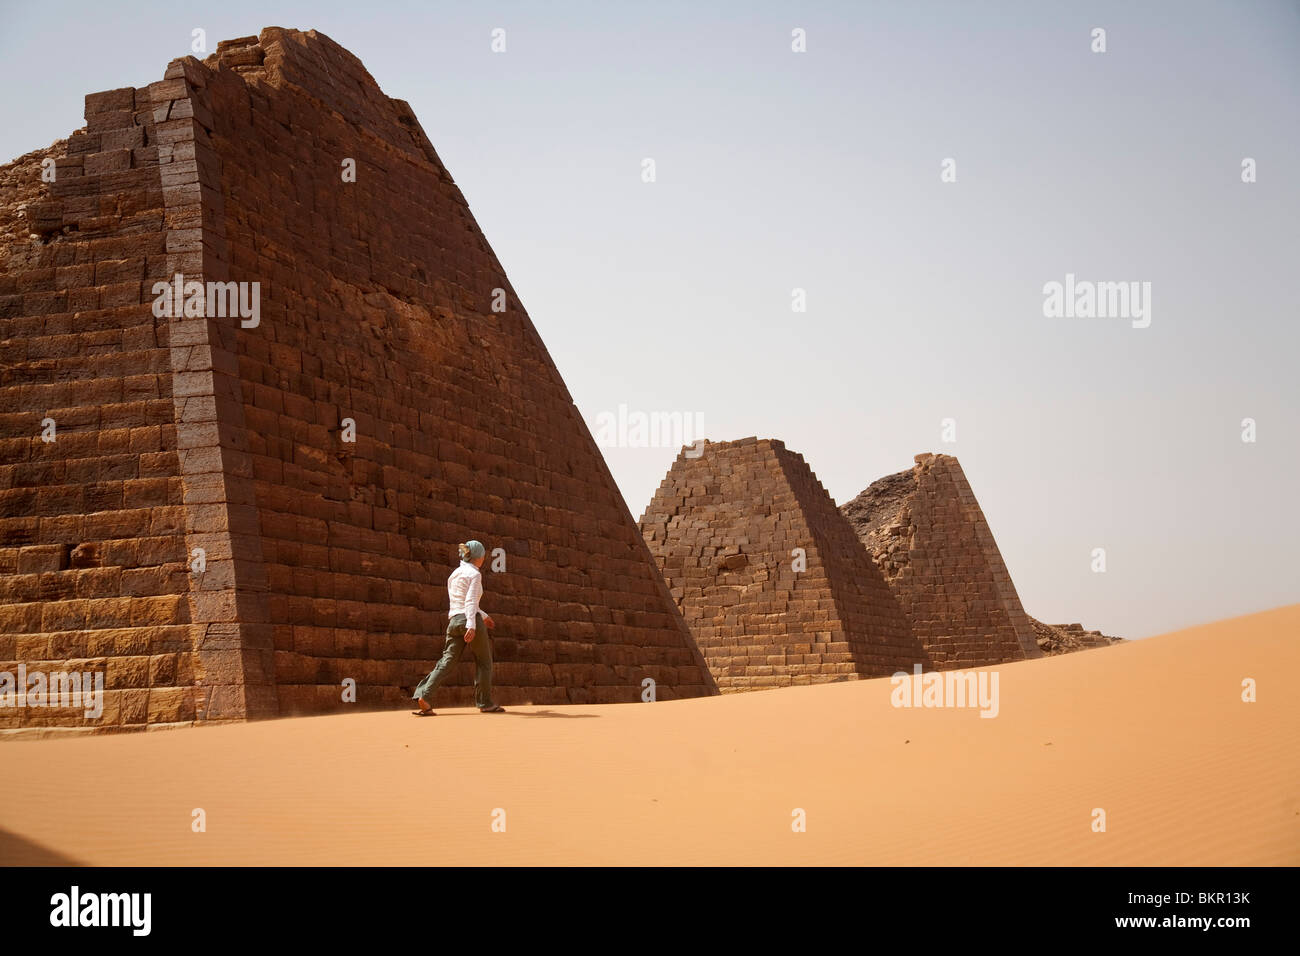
{"x":821,"y":170}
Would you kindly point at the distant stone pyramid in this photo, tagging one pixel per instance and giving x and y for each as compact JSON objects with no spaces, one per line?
{"x":927,"y":534}
{"x":769,"y":575}
{"x":1068,"y":638}
{"x":370,"y":393}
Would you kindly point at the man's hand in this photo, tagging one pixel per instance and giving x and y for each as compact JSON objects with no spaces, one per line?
{"x":489,"y":622}
{"x":469,"y":635}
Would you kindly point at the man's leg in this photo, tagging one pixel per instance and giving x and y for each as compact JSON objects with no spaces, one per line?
{"x":450,"y":655}
{"x":482,"y":647}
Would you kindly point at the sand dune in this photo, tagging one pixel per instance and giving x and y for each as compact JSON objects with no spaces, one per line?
{"x":1153,"y":731}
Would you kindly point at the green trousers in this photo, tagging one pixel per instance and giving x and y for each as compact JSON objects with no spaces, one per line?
{"x":481,"y":647}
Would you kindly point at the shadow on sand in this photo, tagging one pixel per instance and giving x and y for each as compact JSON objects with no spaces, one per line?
{"x":17,"y":851}
{"x":517,"y":713}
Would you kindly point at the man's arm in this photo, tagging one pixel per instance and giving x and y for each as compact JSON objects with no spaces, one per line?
{"x":472,"y":596}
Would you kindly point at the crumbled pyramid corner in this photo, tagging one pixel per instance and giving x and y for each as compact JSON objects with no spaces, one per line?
{"x":926,"y":533}
{"x":342,"y":406}
{"x":1067,"y":638}
{"x":769,"y":575}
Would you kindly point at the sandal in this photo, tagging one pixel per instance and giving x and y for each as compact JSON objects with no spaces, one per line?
{"x":424,"y":713}
{"x":494,"y":709}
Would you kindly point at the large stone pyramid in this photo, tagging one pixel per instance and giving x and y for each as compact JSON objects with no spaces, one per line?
{"x":771,"y":579}
{"x":927,"y":534}
{"x":325,"y":558}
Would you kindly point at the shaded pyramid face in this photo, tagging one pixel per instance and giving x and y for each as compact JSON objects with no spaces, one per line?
{"x":773,"y":583}
{"x":355,"y":390}
{"x":926,"y":533}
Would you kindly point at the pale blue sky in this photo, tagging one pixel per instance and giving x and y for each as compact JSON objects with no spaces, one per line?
{"x":821,"y":171}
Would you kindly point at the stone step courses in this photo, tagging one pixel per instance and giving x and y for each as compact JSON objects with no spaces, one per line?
{"x":724,"y":527}
{"x":326,"y":560}
{"x":928,"y":536}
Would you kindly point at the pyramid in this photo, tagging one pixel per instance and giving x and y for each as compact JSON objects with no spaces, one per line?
{"x":927,"y":535}
{"x":1056,"y":639}
{"x":322,"y":434}
{"x":727,"y":526}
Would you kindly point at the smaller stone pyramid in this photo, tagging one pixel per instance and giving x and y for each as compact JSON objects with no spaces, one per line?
{"x":928,"y":537}
{"x":1067,"y":638}
{"x":775,"y":587}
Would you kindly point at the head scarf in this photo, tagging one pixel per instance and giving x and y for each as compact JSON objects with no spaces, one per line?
{"x":472,"y":550}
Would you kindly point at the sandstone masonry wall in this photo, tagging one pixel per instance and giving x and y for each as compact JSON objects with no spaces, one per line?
{"x":92,"y":549}
{"x":723,"y":526}
{"x":326,"y":559}
{"x":1068,"y":638}
{"x":928,"y":536}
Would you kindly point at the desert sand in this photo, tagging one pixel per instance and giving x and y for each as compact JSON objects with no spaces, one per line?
{"x":1154,"y":732}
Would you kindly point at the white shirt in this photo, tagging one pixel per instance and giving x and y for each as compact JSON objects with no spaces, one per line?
{"x":464,"y":591}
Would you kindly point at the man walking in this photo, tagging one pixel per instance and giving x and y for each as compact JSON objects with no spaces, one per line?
{"x":464,"y":630}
